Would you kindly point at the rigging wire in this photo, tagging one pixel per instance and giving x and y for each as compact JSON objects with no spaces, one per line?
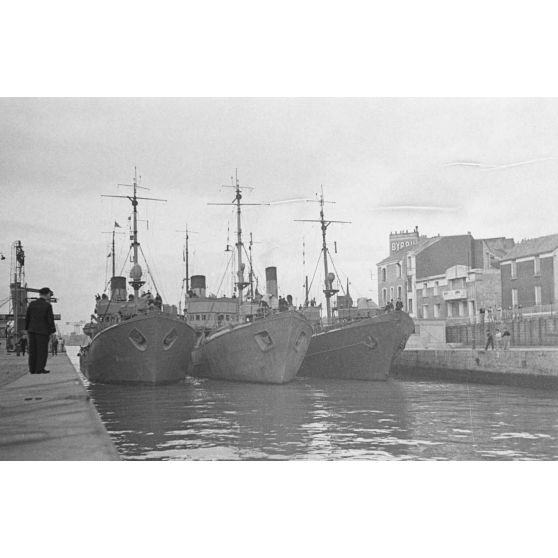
{"x":150,"y":274}
{"x":337,"y":273}
{"x":315,"y":269}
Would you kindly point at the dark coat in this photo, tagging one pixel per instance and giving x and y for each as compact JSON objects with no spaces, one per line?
{"x":40,"y":318}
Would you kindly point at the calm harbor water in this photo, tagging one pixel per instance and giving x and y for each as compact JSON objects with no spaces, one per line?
{"x":316,"y":419}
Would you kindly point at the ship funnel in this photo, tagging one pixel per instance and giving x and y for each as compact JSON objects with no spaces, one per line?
{"x":271,"y":281}
{"x":197,"y":285}
{"x":118,"y":289}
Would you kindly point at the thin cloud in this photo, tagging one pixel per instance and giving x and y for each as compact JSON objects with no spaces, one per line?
{"x":484,"y":166}
{"x":431,"y":208}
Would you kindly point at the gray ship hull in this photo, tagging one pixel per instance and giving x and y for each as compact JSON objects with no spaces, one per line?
{"x":151,"y":349}
{"x":360,"y":350}
{"x":268,"y":350}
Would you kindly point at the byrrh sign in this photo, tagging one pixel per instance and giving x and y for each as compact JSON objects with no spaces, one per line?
{"x":400,"y":244}
{"x":402,"y":240}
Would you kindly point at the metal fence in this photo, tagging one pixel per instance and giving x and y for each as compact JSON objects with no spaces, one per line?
{"x":526,"y":331}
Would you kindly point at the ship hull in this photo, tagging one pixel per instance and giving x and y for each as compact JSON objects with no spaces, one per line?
{"x":359,"y":350}
{"x":268,"y":350}
{"x":152,"y":349}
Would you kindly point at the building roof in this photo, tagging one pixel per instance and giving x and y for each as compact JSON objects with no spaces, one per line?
{"x":394,"y":258}
{"x":421,"y":245}
{"x":532,"y":247}
{"x":425,"y":243}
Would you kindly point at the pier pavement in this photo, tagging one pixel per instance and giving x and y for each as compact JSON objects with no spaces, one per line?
{"x":48,"y":417}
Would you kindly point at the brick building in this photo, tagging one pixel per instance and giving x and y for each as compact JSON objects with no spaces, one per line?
{"x":529,"y":275}
{"x":472,"y":283}
{"x":463,"y":267}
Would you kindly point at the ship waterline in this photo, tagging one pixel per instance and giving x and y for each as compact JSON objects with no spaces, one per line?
{"x":359,"y":350}
{"x":151,"y":349}
{"x":267,"y":350}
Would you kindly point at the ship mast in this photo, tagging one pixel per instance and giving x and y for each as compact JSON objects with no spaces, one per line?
{"x":241,"y":284}
{"x":328,"y":291}
{"x":135,"y":243}
{"x":186,"y":270}
{"x":113,"y":254}
{"x":136,"y":271}
{"x":251,"y":275}
{"x":113,"y":248}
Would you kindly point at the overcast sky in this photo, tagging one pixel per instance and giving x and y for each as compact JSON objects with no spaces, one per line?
{"x":57,"y":156}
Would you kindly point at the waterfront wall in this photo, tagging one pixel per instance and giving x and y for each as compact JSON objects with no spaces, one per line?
{"x":527,"y":332}
{"x":532,"y":367}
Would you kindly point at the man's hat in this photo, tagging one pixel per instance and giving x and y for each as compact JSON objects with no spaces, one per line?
{"x":46,"y":291}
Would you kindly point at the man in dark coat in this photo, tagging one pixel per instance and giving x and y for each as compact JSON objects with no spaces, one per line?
{"x":39,"y":323}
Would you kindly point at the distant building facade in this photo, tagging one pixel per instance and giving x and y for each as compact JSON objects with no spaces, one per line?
{"x":393,"y":271}
{"x":459,"y":294}
{"x":444,"y":276}
{"x":529,"y":275}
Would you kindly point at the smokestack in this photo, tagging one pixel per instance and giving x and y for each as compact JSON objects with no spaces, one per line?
{"x":271,"y":281}
{"x":118,"y":289}
{"x":197,"y":285}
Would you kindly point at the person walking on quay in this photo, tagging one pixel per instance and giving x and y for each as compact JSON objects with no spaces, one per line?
{"x":498,"y":339}
{"x":399,"y":304}
{"x":489,"y":340}
{"x":506,"y":337}
{"x":39,"y":324}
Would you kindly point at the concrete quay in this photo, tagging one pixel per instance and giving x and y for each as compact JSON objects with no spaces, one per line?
{"x":529,"y":367}
{"x":48,"y":417}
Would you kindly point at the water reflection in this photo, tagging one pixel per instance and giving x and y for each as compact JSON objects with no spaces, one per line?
{"x":330,"y":419}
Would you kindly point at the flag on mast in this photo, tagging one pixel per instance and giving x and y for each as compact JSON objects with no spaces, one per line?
{"x":117,"y":225}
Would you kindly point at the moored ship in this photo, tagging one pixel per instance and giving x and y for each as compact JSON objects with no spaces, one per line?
{"x":135,"y":339}
{"x":251,"y":341}
{"x":362,"y":349}
{"x":247,"y":339}
{"x":359,"y":343}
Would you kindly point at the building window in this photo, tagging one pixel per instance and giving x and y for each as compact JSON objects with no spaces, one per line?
{"x":436,"y":284}
{"x":425,"y":311}
{"x":537,"y":265}
{"x":458,"y":283}
{"x":409,"y":263}
{"x":538,"y":297}
{"x":410,"y":306}
{"x":398,"y":269}
{"x":384,"y":274}
{"x":436,"y":310}
{"x":391,"y":293}
{"x":424,"y":287}
{"x":515,"y":300}
{"x":384,"y":294}
{"x":399,"y":292}
{"x":514,"y":270}
{"x":450,"y":310}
